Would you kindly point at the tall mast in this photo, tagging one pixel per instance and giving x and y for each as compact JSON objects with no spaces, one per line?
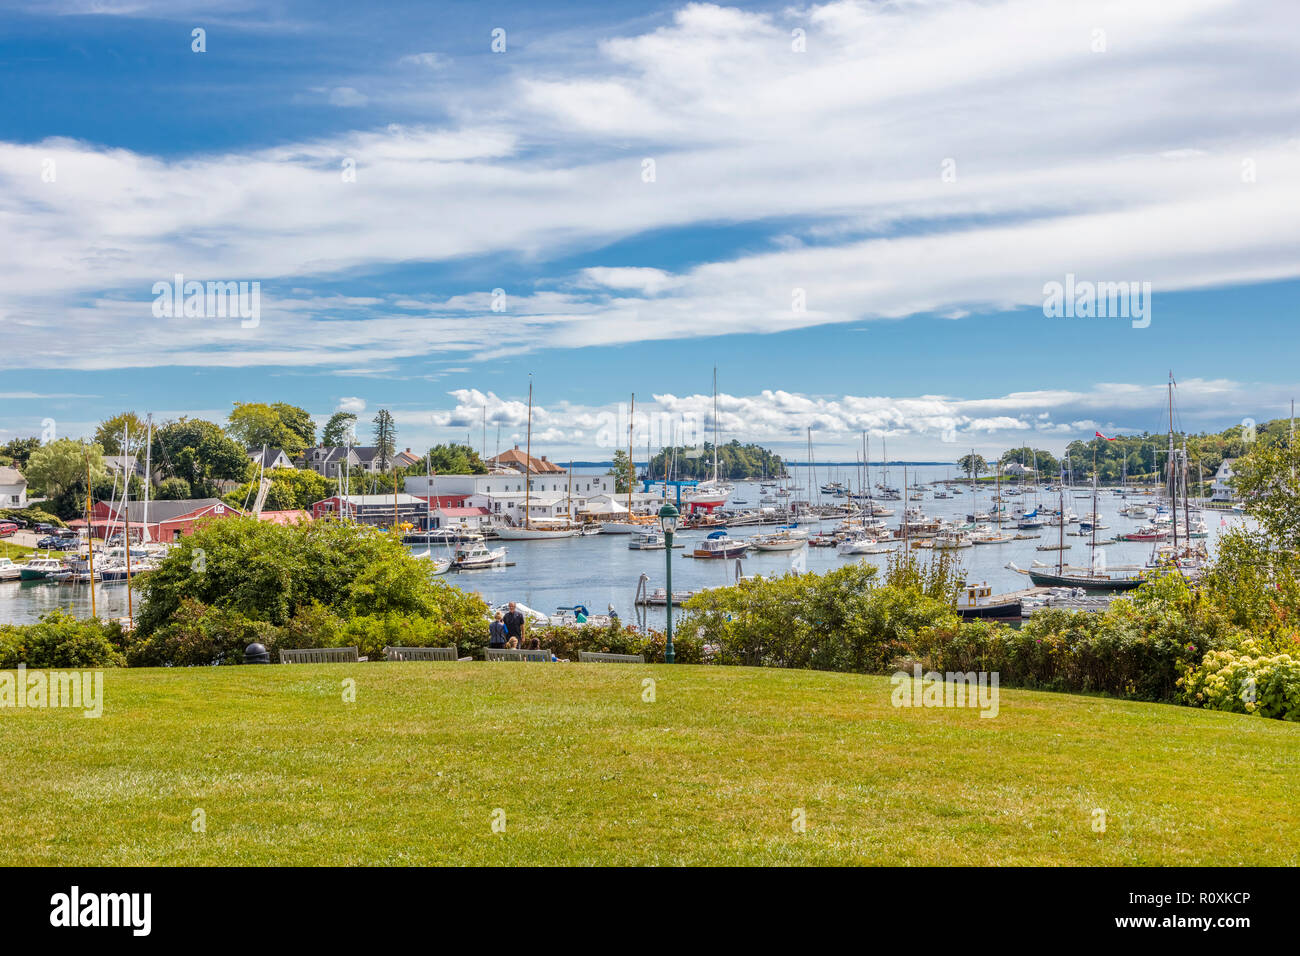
{"x":528,"y":453}
{"x":90,"y":539}
{"x":1060,"y":549}
{"x":715,"y":424}
{"x":148,"y":472}
{"x":1173,"y":473}
{"x":569,"y":500}
{"x":126,"y":533}
{"x":631,"y":469}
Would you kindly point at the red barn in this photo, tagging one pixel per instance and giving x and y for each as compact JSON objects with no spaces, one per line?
{"x":165,"y":520}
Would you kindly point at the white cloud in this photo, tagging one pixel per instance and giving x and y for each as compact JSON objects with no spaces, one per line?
{"x":351,"y":404}
{"x":843,"y":144}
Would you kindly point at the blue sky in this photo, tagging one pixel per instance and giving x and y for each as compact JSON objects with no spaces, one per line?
{"x":915,"y":172}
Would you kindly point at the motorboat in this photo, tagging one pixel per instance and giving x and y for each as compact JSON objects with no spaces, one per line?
{"x":476,"y":554}
{"x":720,"y":545}
{"x":44,"y":569}
{"x":976,"y":602}
{"x":9,"y":571}
{"x":788,"y":538}
{"x":647,"y":541}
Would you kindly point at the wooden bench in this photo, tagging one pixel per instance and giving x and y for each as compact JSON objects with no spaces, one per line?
{"x":320,"y":655}
{"x":599,"y":657}
{"x":420,"y":653}
{"x":505,"y":654}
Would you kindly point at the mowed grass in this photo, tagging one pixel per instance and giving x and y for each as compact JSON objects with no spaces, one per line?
{"x":587,"y":772}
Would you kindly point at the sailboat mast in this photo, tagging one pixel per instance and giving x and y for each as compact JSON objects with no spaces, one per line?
{"x":528,"y":454}
{"x":148,"y":472}
{"x":1173,"y":473}
{"x":126,"y":531}
{"x":631,"y":469}
{"x":90,"y":539}
{"x":715,"y":424}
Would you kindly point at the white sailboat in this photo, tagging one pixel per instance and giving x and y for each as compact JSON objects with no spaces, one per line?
{"x":550,"y":528}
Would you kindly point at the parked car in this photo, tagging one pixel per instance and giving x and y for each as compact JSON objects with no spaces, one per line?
{"x":44,"y":528}
{"x":7,"y":529}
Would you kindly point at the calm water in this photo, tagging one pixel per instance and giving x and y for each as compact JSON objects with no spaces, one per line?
{"x":600,"y":570}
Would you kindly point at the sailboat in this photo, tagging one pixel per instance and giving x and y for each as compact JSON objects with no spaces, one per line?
{"x":1090,"y":578}
{"x":714,"y":492}
{"x":436,"y":565}
{"x":527,"y":532}
{"x":631,"y":523}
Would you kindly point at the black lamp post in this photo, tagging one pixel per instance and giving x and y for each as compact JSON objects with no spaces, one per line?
{"x":668,"y":516}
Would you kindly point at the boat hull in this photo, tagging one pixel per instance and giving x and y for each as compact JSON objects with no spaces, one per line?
{"x":1004,"y":611}
{"x":1050,"y":580}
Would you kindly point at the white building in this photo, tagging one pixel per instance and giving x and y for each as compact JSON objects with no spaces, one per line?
{"x":1221,"y":487}
{"x":502,"y":483}
{"x":13,"y":488}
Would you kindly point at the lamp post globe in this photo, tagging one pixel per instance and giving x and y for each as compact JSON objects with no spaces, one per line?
{"x":668,"y":516}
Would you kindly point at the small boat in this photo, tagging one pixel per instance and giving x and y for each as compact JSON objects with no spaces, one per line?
{"x":476,"y":555}
{"x":1148,"y":532}
{"x":863,"y":544}
{"x":719,"y":545}
{"x":976,"y":602}
{"x":44,"y":569}
{"x":436,"y":565}
{"x":787,"y":538}
{"x":647,"y":541}
{"x":9,"y":571}
{"x":990,"y":536}
{"x":950,"y":541}
{"x":629,"y":525}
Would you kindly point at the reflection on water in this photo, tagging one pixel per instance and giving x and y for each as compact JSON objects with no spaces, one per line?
{"x":600,"y":570}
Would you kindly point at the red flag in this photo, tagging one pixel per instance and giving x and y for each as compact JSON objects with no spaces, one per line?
{"x":1100,"y":435}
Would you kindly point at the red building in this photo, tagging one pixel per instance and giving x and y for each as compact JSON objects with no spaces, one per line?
{"x":166,"y":520}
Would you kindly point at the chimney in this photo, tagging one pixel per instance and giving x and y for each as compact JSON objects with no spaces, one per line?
{"x":543,"y":458}
{"x":516,"y":446}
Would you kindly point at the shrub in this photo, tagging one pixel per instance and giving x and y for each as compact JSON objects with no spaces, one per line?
{"x":60,"y":640}
{"x":1244,"y":682}
{"x":566,"y":641}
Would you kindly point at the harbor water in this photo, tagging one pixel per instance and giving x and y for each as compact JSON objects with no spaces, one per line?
{"x":601,"y":572}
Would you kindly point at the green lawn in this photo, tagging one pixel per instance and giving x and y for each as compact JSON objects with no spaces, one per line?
{"x":587,"y":772}
{"x":17,"y":552}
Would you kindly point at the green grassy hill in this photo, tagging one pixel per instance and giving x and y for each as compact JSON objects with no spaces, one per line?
{"x":586,"y":772}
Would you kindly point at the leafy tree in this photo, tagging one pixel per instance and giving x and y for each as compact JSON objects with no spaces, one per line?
{"x":385,"y":438}
{"x":299,"y":421}
{"x":173,"y":489}
{"x":254,"y":579}
{"x":277,"y":426}
{"x":338,"y":429}
{"x":973,"y":465}
{"x":60,"y":465}
{"x":735,"y":461}
{"x":109,"y":433}
{"x":452,"y":459}
{"x":1044,"y":460}
{"x":622,"y":472}
{"x":1268,"y":480}
{"x":201,"y":453}
{"x":292,"y":489}
{"x":19,"y":450}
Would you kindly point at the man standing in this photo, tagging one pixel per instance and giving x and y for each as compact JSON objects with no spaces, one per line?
{"x":515,"y":624}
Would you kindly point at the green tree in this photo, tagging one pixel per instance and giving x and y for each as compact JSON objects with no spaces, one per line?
{"x":452,"y":459}
{"x":254,"y":424}
{"x":973,"y":465}
{"x":201,"y":453}
{"x":385,"y":438}
{"x":292,"y":489}
{"x":18,"y":450}
{"x":109,"y":433}
{"x":61,"y":465}
{"x":621,"y":470}
{"x":338,"y":429}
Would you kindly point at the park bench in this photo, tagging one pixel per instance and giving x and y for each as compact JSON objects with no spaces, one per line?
{"x":599,"y":657}
{"x":420,"y":653}
{"x":320,"y":655}
{"x":505,"y":654}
